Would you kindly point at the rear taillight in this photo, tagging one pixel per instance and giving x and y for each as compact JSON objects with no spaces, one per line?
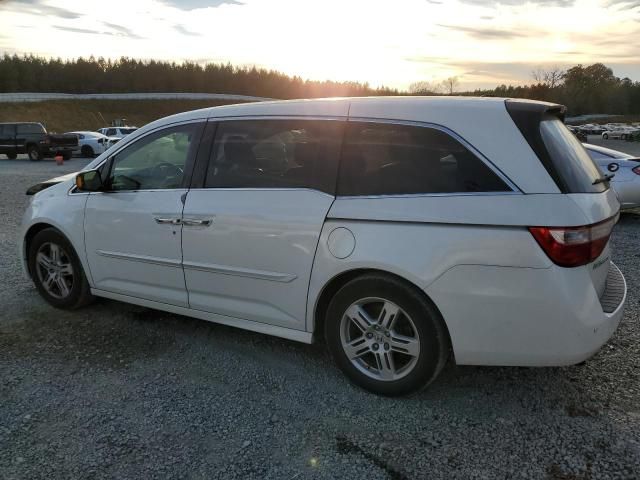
{"x":636,"y":170}
{"x":574,"y":246}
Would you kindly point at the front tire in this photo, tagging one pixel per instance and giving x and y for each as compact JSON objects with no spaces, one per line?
{"x":605,"y":136}
{"x":12,"y":155}
{"x":87,"y":151}
{"x":66,"y":155}
{"x":57,"y":272}
{"x":385,"y":335}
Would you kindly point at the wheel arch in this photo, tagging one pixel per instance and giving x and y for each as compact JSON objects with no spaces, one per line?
{"x":29,"y":235}
{"x":41,"y":225}
{"x":334,"y":284}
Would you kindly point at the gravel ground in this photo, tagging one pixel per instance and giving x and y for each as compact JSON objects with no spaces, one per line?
{"x":119,"y":391}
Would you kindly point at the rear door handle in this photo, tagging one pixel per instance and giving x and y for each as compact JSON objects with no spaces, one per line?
{"x":194,"y":222}
{"x":167,"y":220}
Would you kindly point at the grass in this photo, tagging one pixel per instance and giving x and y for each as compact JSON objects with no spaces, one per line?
{"x":70,"y":115}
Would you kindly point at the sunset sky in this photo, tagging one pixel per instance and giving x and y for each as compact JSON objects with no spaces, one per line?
{"x":394,"y":43}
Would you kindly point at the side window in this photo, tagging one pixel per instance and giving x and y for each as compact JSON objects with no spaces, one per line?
{"x":156,"y":161}
{"x":389,"y":159}
{"x":275,"y":154}
{"x":111,"y":132}
{"x":30,"y":129}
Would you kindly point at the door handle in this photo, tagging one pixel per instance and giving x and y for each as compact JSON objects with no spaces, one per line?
{"x":167,"y":221}
{"x":193,"y":222}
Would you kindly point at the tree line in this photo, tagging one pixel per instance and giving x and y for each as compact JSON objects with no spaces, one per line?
{"x":30,"y":73}
{"x":583,"y":89}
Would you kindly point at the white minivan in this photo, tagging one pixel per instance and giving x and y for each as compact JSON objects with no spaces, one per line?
{"x":402,"y":231}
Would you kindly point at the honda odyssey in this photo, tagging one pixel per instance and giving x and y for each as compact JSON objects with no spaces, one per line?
{"x":402,"y":231}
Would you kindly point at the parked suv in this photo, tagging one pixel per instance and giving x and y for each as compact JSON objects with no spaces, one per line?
{"x":400,"y":230}
{"x":33,"y":139}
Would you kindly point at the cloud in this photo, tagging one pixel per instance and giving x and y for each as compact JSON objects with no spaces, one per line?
{"x":189,"y":5}
{"x":183,"y":30}
{"x":483,"y":33}
{"x":36,"y":6}
{"x":542,"y":3}
{"x":123,"y":31}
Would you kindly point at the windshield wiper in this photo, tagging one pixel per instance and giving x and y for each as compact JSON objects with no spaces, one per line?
{"x":604,"y":178}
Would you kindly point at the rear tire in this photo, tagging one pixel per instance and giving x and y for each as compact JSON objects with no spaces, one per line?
{"x":12,"y":156}
{"x":385,"y":335}
{"x":57,"y":272}
{"x":67,"y":155}
{"x":34,"y":153}
{"x":605,"y":136}
{"x":87,"y":151}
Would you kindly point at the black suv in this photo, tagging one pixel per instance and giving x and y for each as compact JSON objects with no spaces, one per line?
{"x":32,"y":138}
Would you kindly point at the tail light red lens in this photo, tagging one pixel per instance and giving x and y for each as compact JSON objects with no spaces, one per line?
{"x":636,"y":170}
{"x":574,"y":246}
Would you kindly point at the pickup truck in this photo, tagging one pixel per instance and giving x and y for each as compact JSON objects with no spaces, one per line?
{"x":32,"y":138}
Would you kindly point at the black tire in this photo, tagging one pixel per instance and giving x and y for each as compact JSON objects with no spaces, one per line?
{"x":432,"y":334}
{"x":34,"y":153}
{"x":605,"y":136}
{"x":79,"y":293}
{"x":87,"y":151}
{"x":12,"y":156}
{"x":67,"y":155}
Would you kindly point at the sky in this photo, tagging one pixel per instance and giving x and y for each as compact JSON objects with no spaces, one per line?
{"x":384,"y":42}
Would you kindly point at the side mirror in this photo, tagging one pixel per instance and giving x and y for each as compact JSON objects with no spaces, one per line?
{"x":89,"y":181}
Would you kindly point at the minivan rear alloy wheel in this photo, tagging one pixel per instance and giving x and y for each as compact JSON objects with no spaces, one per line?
{"x":385,"y":335}
{"x":57,"y":271}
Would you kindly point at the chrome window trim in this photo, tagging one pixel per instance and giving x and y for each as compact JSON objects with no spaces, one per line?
{"x":421,"y":195}
{"x":457,"y":137}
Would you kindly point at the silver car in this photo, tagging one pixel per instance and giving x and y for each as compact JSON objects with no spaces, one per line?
{"x":626,"y":171}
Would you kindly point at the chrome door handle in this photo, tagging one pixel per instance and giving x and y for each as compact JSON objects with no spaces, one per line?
{"x":167,"y":221}
{"x":192,"y":222}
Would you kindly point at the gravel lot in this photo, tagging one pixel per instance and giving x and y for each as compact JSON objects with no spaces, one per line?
{"x":118,"y":391}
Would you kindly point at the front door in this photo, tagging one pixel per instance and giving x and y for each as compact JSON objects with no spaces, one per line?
{"x":133,"y":229}
{"x":250,"y":233}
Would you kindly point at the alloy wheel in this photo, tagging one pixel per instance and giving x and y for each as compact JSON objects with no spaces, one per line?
{"x":54,"y":270}
{"x":380,"y":339}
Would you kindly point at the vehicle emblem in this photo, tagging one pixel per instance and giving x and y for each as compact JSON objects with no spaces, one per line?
{"x":613,"y":167}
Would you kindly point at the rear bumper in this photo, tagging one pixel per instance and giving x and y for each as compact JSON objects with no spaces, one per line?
{"x":53,"y":149}
{"x":527,"y":316}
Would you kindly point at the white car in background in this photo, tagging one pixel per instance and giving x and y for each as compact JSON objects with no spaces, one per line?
{"x":92,"y":144}
{"x":591,"y":129}
{"x":401,"y":230}
{"x":619,"y":131}
{"x":626,"y":171}
{"x":117,"y":132}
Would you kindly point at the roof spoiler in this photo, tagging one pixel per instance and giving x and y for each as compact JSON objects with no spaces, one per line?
{"x":527,"y":115}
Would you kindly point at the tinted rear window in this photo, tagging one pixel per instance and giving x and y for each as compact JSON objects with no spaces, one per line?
{"x":571,"y":161}
{"x":390,"y":159}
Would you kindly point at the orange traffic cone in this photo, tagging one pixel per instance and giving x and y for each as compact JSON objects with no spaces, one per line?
{"x":59,"y":159}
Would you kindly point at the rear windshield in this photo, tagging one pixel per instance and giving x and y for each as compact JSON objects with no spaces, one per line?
{"x":571,"y":161}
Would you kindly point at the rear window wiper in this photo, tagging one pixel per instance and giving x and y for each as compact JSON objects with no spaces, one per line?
{"x":604,"y":178}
